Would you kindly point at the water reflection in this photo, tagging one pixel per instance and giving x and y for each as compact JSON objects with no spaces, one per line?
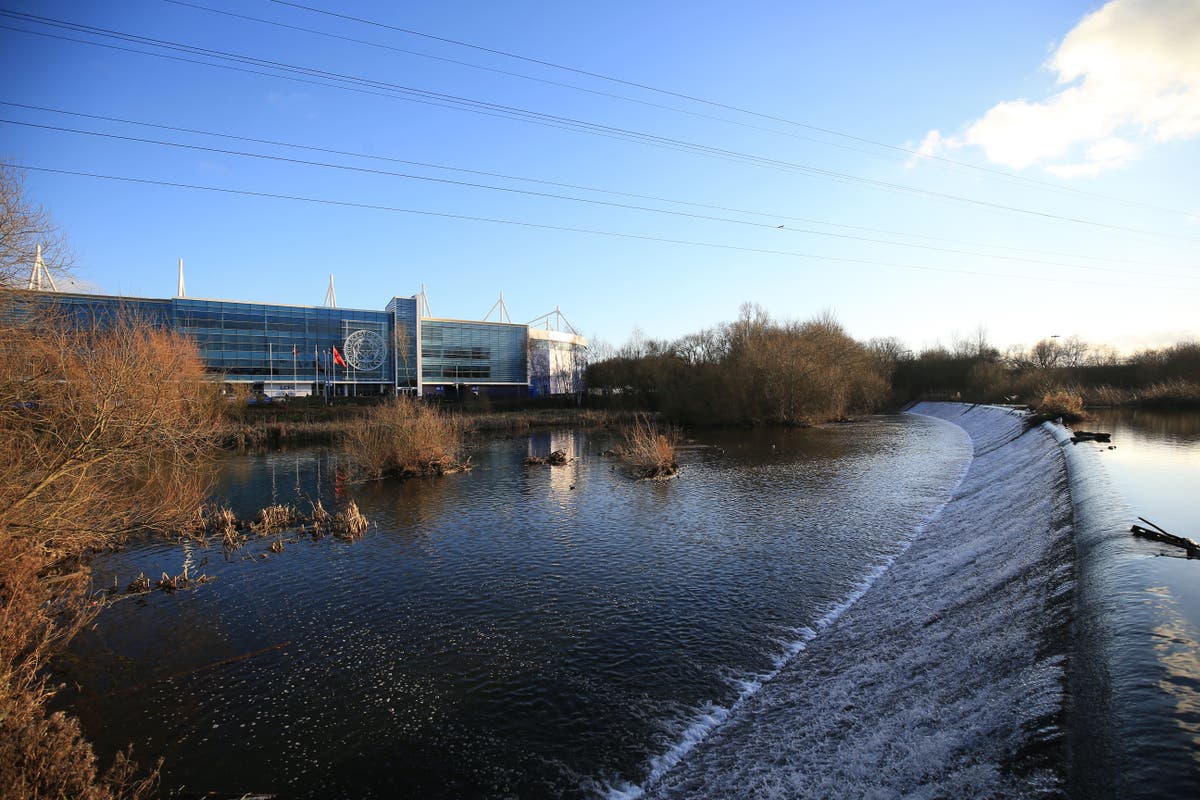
{"x":1178,"y":651}
{"x":1149,"y":593}
{"x":1160,"y":427}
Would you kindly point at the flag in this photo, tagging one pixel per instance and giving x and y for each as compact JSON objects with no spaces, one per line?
{"x":337,"y":357}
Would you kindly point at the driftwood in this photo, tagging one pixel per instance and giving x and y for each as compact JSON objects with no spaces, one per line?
{"x":1090,"y":436}
{"x":1160,"y":535}
{"x":556,"y":459}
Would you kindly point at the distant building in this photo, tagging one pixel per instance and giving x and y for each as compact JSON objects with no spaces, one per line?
{"x":557,"y":362}
{"x":289,"y":350}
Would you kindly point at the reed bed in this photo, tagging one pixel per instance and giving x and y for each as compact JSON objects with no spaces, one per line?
{"x":275,"y":518}
{"x":349,"y":523}
{"x":1061,"y":404}
{"x":1173,"y":393}
{"x":404,"y":438}
{"x":274,"y":521}
{"x":525,"y":420}
{"x":648,"y":452}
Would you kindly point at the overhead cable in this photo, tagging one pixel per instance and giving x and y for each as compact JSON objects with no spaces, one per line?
{"x":592,"y":231}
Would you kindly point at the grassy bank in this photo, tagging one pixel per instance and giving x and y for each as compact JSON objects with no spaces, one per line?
{"x":1164,"y":394}
{"x":302,"y":425}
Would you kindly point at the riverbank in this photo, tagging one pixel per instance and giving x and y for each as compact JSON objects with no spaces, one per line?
{"x":300,"y":425}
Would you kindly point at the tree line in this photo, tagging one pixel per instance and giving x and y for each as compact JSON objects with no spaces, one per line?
{"x":753,"y":371}
{"x":761,"y":371}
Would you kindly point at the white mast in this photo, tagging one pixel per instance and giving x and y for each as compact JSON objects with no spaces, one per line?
{"x":503,"y":315}
{"x":423,"y":304}
{"x":181,"y":291}
{"x":330,"y":294}
{"x":39,"y":270}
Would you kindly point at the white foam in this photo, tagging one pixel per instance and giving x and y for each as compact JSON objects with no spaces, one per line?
{"x":701,"y":722}
{"x":929,"y":686}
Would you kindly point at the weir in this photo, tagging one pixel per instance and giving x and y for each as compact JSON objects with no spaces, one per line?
{"x":945,"y":675}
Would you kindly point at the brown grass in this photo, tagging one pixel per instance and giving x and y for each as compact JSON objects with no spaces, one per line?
{"x":404,"y":437}
{"x":44,"y":755}
{"x":275,"y":518}
{"x":646,"y":451}
{"x":1061,"y":404}
{"x":321,"y":519}
{"x":349,"y":523}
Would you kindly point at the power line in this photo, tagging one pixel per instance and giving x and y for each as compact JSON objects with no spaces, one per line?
{"x":549,"y":195}
{"x":510,"y":73}
{"x":579,"y":187}
{"x":715,"y":104}
{"x":494,"y":109}
{"x":537,"y":181}
{"x":589,"y":231}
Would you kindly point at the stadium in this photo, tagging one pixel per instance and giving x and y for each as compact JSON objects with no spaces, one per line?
{"x":299,"y":351}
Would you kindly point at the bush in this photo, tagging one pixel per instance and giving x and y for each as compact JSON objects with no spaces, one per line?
{"x":1061,"y":404}
{"x":105,"y":430}
{"x":646,"y":451}
{"x":403,"y":437}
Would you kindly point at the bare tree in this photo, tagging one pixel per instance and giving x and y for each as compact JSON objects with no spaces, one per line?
{"x":24,"y":226}
{"x":635,"y":347}
{"x":104,"y":431}
{"x":1073,"y":352}
{"x":1046,"y":354}
{"x":600,"y":350}
{"x":402,"y":343}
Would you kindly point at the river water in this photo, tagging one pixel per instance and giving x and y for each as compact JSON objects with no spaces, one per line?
{"x":940,"y":604}
{"x":1138,"y":682}
{"x":515,"y":631}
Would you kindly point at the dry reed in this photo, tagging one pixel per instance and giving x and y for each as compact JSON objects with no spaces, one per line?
{"x":1061,"y":404}
{"x":349,"y":523}
{"x":404,"y":438}
{"x":275,"y":518}
{"x":320,"y":518}
{"x":648,"y":452}
{"x":105,"y":430}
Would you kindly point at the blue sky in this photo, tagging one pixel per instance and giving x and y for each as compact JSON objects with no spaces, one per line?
{"x":1070,"y":207}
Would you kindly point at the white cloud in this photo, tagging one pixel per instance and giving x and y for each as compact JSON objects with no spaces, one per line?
{"x":1104,"y":155}
{"x":934,"y":144}
{"x":1130,"y":77}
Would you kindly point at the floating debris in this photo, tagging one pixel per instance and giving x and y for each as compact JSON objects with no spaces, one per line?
{"x":1160,"y":535}
{"x":556,"y":459}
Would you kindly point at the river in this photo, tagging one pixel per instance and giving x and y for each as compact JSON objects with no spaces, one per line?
{"x":515,"y":631}
{"x":931,"y":604}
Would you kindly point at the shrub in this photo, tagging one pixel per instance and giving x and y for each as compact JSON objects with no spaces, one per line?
{"x":646,"y":451}
{"x":404,"y":438}
{"x":105,"y":430}
{"x":1061,"y":404}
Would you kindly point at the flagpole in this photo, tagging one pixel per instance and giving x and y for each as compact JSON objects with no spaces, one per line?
{"x":271,"y":362}
{"x":295,"y":373}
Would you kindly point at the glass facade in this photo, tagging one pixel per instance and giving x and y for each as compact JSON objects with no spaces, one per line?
{"x":458,"y":351}
{"x":256,"y":341}
{"x":97,"y":310}
{"x":289,"y":349}
{"x":404,"y":311}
